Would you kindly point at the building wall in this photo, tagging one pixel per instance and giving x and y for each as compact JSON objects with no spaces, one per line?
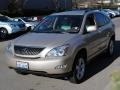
{"x":117,"y":2}
{"x":105,"y":1}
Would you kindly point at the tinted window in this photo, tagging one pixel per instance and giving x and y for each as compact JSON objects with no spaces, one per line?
{"x":101,"y":19}
{"x":90,"y":21}
{"x":107,"y":20}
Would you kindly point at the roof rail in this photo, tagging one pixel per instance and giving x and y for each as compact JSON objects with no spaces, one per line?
{"x":85,"y":9}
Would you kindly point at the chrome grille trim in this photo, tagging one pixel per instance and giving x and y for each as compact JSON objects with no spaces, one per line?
{"x":23,"y":50}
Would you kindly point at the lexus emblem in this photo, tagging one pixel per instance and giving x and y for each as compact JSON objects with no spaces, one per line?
{"x":25,"y":50}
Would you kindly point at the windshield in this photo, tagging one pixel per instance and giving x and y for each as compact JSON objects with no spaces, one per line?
{"x":4,"y":19}
{"x":60,"y":23}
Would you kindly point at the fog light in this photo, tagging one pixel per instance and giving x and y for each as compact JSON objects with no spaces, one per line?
{"x":61,"y":67}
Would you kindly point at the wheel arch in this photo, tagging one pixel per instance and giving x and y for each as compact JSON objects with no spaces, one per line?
{"x":82,"y":52}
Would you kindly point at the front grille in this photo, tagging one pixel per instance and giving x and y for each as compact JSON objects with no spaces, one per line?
{"x":21,"y":50}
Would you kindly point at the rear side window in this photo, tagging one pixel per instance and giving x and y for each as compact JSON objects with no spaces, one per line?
{"x":101,"y":19}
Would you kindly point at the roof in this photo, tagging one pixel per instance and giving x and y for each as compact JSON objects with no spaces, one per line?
{"x":76,"y":12}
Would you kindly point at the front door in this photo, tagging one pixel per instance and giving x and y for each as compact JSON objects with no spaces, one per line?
{"x":92,"y":37}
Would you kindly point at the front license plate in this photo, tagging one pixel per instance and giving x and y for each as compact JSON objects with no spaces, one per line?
{"x":22,"y":65}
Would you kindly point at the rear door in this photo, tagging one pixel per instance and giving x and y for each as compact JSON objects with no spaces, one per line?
{"x":103,"y":27}
{"x":92,"y":38}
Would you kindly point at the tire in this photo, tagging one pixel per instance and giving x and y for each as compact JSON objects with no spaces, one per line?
{"x":29,"y":28}
{"x":3,"y":33}
{"x":79,"y":69}
{"x":21,"y":72}
{"x":110,"y":49}
{"x":111,"y":16}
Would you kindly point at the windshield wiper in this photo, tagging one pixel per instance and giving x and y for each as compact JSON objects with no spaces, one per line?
{"x":52,"y":31}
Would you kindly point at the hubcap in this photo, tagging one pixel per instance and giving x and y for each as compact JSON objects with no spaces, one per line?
{"x":111,"y":48}
{"x":80,"y":69}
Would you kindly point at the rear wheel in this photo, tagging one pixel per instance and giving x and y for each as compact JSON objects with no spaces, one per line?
{"x":3,"y":33}
{"x":78,"y":70}
{"x":110,"y":49}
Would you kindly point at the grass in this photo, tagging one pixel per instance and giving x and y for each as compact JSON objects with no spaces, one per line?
{"x":115,"y":77}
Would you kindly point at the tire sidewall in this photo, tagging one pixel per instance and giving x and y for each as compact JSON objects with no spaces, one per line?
{"x":74,"y":78}
{"x":108,"y":49}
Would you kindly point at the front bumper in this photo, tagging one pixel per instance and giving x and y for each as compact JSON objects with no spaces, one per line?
{"x":59,"y":65}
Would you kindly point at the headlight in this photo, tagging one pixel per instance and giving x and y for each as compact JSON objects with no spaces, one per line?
{"x":9,"y":48}
{"x":58,"y":51}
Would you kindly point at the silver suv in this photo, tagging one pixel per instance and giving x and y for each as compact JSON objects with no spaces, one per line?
{"x":63,"y":43}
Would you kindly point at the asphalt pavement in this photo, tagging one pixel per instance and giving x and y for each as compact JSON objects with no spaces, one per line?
{"x":97,"y":78}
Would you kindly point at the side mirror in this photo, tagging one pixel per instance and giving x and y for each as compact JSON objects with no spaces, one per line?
{"x":91,"y":28}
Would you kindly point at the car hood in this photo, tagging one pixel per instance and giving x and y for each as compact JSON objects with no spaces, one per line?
{"x":43,"y":39}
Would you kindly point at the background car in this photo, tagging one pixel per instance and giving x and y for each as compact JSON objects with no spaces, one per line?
{"x":117,"y":12}
{"x":9,"y":26}
{"x":107,"y":13}
{"x":113,"y":14}
{"x":29,"y":22}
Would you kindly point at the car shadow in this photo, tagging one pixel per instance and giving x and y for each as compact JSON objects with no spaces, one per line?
{"x":101,"y":62}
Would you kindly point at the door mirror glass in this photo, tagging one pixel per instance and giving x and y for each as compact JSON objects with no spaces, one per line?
{"x":91,"y":28}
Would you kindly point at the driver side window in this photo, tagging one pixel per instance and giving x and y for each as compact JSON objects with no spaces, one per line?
{"x":90,"y":24}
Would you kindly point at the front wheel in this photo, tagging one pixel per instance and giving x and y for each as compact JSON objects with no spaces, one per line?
{"x":3,"y":33}
{"x":78,"y":70}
